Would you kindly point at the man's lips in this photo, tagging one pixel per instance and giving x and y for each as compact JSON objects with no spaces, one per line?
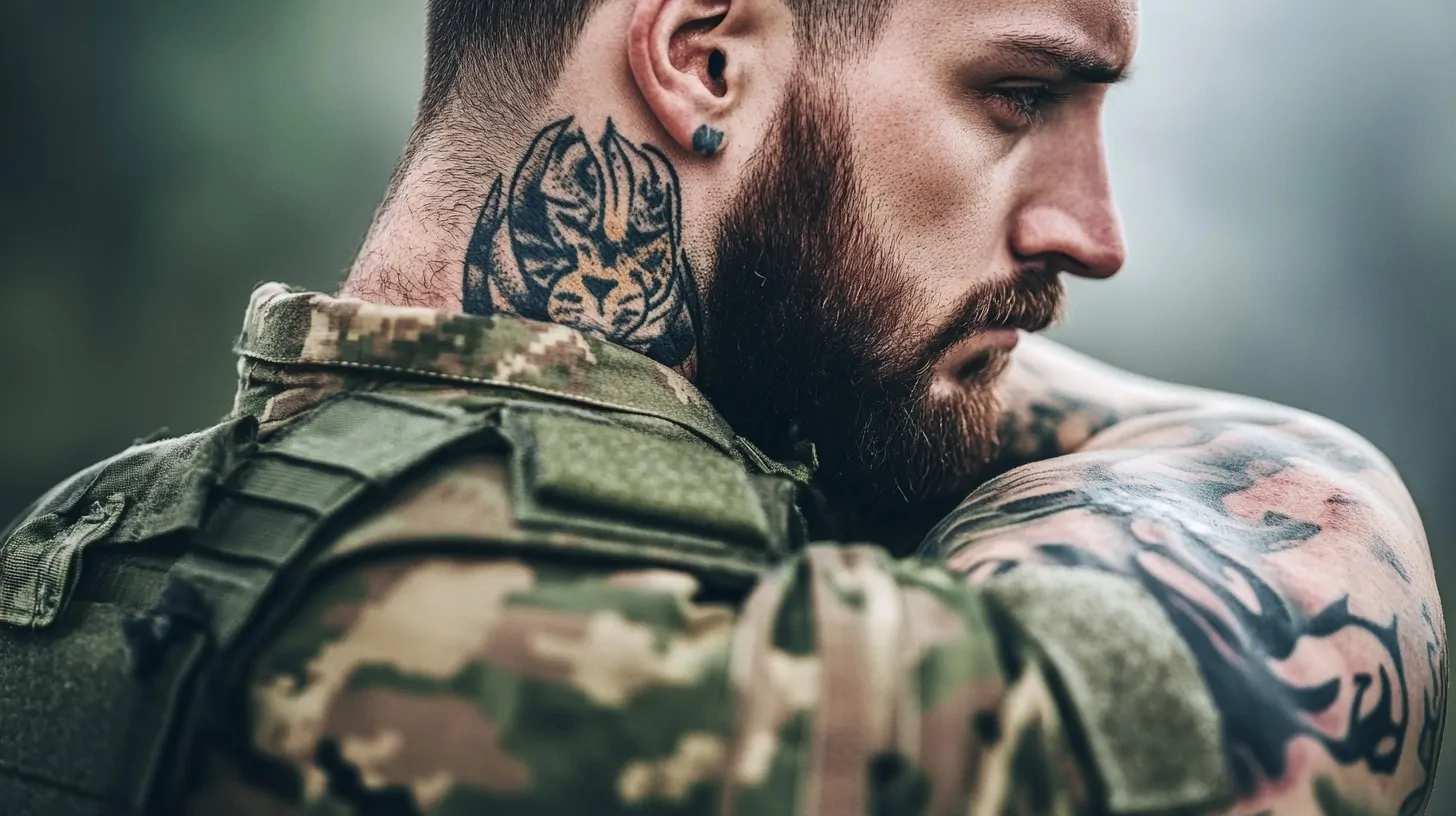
{"x":978,"y":341}
{"x":970,"y":357}
{"x":1004,"y":339}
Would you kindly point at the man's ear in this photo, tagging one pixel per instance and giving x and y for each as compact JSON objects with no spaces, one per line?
{"x":687,"y":59}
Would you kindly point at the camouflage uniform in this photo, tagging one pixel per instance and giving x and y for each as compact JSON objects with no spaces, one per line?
{"x":441,"y":564}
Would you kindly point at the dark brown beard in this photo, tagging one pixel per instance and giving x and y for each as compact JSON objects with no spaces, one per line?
{"x":811,"y":330}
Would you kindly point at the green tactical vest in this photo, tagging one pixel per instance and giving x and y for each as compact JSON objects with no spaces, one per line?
{"x":128,"y":591}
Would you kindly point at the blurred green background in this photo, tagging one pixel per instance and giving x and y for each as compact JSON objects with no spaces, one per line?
{"x":1287,"y":172}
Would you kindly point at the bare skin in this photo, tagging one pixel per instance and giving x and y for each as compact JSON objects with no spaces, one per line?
{"x":1284,"y":546}
{"x":1005,"y":169}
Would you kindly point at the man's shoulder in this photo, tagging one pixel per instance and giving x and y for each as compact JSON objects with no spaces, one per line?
{"x":430,"y":464}
{"x":546,"y":477}
{"x":154,"y":489}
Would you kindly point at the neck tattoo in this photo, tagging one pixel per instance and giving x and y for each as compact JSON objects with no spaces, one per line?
{"x":588,"y":235}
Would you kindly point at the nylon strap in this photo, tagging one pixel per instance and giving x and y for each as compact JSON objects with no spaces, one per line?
{"x":266,"y":520}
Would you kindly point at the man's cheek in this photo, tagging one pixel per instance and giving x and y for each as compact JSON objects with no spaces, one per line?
{"x":937,"y":199}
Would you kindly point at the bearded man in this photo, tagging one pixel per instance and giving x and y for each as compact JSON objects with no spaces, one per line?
{"x":666,"y":297}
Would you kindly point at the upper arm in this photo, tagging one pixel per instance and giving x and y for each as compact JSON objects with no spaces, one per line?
{"x":844,"y":683}
{"x":447,"y":660}
{"x":1289,"y":555}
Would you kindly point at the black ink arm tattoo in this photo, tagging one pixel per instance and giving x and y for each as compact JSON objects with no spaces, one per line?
{"x":1287,"y":555}
{"x":588,"y":235}
{"x":1055,"y":400}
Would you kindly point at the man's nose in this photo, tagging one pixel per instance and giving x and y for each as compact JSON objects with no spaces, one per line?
{"x":1070,"y":220}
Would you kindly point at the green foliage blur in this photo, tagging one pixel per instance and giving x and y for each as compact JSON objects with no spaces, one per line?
{"x":158,"y":160}
{"x":1287,"y":173}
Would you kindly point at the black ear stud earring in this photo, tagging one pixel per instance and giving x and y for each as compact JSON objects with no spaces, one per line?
{"x":707,"y":140}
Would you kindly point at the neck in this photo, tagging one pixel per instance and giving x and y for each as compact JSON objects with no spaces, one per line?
{"x":569,"y":213}
{"x":583,"y":229}
{"x":412,"y":254}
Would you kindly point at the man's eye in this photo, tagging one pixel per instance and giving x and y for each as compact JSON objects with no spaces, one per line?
{"x":1023,"y":104}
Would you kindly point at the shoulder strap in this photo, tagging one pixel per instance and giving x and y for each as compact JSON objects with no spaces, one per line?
{"x":266,"y":518}
{"x":1105,"y":642}
{"x":577,"y":473}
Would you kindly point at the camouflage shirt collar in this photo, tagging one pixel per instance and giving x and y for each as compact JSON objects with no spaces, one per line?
{"x":288,"y":328}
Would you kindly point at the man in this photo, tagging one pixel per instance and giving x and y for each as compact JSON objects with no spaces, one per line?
{"x":663,"y":290}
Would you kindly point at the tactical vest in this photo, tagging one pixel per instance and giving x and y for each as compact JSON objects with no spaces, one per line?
{"x":128,"y":593}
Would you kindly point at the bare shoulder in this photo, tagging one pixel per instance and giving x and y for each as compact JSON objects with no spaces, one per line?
{"x":1287,"y":551}
{"x":1287,"y":464}
{"x":1055,"y":399}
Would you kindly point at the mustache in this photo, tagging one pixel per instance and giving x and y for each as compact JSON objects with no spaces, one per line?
{"x":1031,"y":301}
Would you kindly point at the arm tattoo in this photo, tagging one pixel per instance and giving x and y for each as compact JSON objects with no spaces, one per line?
{"x":1050,"y":409}
{"x":1173,"y":518}
{"x":1049,"y":425}
{"x":588,"y":235}
{"x":1433,"y":717}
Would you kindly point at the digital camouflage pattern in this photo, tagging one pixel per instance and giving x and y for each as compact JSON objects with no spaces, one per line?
{"x":562,"y":690}
{"x":294,"y":335}
{"x":449,"y":660}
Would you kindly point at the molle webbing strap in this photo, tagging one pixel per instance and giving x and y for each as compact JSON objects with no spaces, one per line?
{"x":267,"y":519}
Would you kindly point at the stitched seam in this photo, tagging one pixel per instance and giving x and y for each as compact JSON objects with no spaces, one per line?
{"x":726,"y":448}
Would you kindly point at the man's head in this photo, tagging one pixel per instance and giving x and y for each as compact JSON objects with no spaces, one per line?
{"x":832,"y":214}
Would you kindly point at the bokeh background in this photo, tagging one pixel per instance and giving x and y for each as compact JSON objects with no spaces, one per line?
{"x":1287,"y":171}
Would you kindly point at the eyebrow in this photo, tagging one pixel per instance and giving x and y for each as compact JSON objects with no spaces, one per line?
{"x":1074,"y":58}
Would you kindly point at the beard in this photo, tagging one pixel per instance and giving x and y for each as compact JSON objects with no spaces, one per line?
{"x":812,"y":332}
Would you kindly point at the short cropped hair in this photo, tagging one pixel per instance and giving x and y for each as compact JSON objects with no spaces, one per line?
{"x":515,"y":49}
